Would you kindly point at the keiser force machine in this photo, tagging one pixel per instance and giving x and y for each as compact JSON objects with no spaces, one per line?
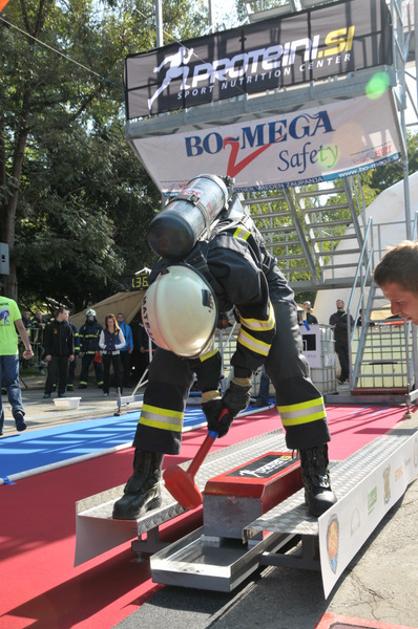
{"x":254,"y":513}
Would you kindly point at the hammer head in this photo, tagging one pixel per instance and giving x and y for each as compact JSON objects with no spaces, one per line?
{"x":182,"y":487}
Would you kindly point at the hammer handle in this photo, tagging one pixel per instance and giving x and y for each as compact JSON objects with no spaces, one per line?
{"x":201,"y":453}
{"x":204,"y":448}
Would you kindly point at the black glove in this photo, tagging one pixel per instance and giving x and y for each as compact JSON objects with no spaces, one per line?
{"x":218,"y":416}
{"x":236,"y":398}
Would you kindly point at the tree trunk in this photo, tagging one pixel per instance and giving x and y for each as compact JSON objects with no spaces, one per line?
{"x":9,"y":221}
{"x":21,"y":135}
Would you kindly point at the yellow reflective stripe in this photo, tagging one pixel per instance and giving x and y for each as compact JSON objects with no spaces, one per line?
{"x":208,"y":355}
{"x":259,"y":325}
{"x":160,"y":424}
{"x":163,"y":418}
{"x":300,"y":405}
{"x":162,"y":412}
{"x":253,"y":344}
{"x":306,"y":419}
{"x":242,"y":233}
{"x":304,"y":412}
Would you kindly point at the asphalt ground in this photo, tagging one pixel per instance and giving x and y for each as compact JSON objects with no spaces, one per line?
{"x":40,"y":413}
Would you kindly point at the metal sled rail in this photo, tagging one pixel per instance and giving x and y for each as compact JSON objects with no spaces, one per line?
{"x":97,"y":532}
{"x":221,"y":563}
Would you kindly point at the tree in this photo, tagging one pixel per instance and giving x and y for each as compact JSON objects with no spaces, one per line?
{"x":61,"y":136}
{"x":385,"y":176}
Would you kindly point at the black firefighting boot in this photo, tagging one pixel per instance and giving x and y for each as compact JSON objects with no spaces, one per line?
{"x":315,"y":475}
{"x":142,"y":491}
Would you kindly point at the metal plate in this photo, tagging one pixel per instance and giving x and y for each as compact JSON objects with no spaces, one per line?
{"x":191,"y":562}
{"x":291,"y":515}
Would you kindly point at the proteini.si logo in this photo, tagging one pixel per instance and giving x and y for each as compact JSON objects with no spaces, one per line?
{"x":251,"y":66}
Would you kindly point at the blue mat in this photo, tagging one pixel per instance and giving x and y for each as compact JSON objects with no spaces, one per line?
{"x":36,"y":449}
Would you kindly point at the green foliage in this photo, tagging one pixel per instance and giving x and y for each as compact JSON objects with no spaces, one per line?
{"x":383,"y":177}
{"x":74,"y":199}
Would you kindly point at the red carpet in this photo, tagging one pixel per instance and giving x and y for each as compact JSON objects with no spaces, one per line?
{"x":39,"y":586}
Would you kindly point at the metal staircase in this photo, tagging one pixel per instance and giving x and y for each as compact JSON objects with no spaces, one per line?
{"x":314,"y":231}
{"x":382,"y":351}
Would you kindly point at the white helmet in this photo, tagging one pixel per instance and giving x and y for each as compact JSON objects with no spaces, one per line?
{"x":90,"y":312}
{"x":179,"y":311}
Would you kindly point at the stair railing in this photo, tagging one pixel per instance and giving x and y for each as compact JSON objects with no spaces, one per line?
{"x":362,"y":280}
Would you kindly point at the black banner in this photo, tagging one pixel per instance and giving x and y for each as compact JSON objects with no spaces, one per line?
{"x":280,"y":52}
{"x":264,"y":467}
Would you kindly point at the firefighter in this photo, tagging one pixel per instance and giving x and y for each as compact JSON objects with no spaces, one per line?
{"x":230,"y":268}
{"x":89,"y":334}
{"x":72,"y":365}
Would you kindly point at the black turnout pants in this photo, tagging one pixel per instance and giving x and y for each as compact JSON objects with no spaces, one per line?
{"x":57,"y":374}
{"x":170,"y":378}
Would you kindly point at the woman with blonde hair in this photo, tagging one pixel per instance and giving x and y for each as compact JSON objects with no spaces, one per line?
{"x":111,"y":342}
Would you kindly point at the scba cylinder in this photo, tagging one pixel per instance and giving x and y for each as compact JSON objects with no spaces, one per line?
{"x":174,"y":232}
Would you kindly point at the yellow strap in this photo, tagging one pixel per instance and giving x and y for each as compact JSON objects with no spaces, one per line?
{"x":301,"y":405}
{"x":210,"y":395}
{"x":162,"y":418}
{"x":242,"y":233}
{"x":161,"y":425}
{"x":259,"y":325}
{"x":306,"y":419}
{"x":242,"y":382}
{"x":164,"y":412}
{"x":208,"y":355}
{"x":253,"y":344}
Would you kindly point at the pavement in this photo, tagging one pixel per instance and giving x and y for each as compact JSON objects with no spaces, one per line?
{"x":40,"y":413}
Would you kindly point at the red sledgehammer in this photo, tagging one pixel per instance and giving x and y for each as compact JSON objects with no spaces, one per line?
{"x":180,"y":483}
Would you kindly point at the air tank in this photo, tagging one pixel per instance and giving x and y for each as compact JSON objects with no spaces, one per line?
{"x":175,"y":230}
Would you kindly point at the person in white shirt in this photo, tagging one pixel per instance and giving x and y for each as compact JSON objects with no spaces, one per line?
{"x":111,"y":341}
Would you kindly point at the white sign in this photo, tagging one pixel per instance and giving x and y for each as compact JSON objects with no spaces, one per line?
{"x":4,"y":259}
{"x":306,"y":146}
{"x":346,"y":526}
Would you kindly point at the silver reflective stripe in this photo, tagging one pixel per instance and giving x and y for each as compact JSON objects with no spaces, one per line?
{"x":161,"y":419}
{"x":302,"y":412}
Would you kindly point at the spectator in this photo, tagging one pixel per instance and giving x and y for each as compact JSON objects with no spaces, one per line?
{"x":397,"y":276}
{"x":26,"y":318}
{"x":59,"y":350}
{"x":126,"y":351}
{"x":111,"y":342}
{"x":339,"y":322}
{"x":89,"y":349}
{"x":360,"y":320}
{"x":308,"y":316}
{"x":36,"y":331}
{"x":72,"y":364}
{"x":11,"y":323}
{"x":263,"y":391}
{"x":144,"y":347}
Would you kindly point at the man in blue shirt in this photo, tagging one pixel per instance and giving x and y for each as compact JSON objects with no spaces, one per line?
{"x":125,"y":352}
